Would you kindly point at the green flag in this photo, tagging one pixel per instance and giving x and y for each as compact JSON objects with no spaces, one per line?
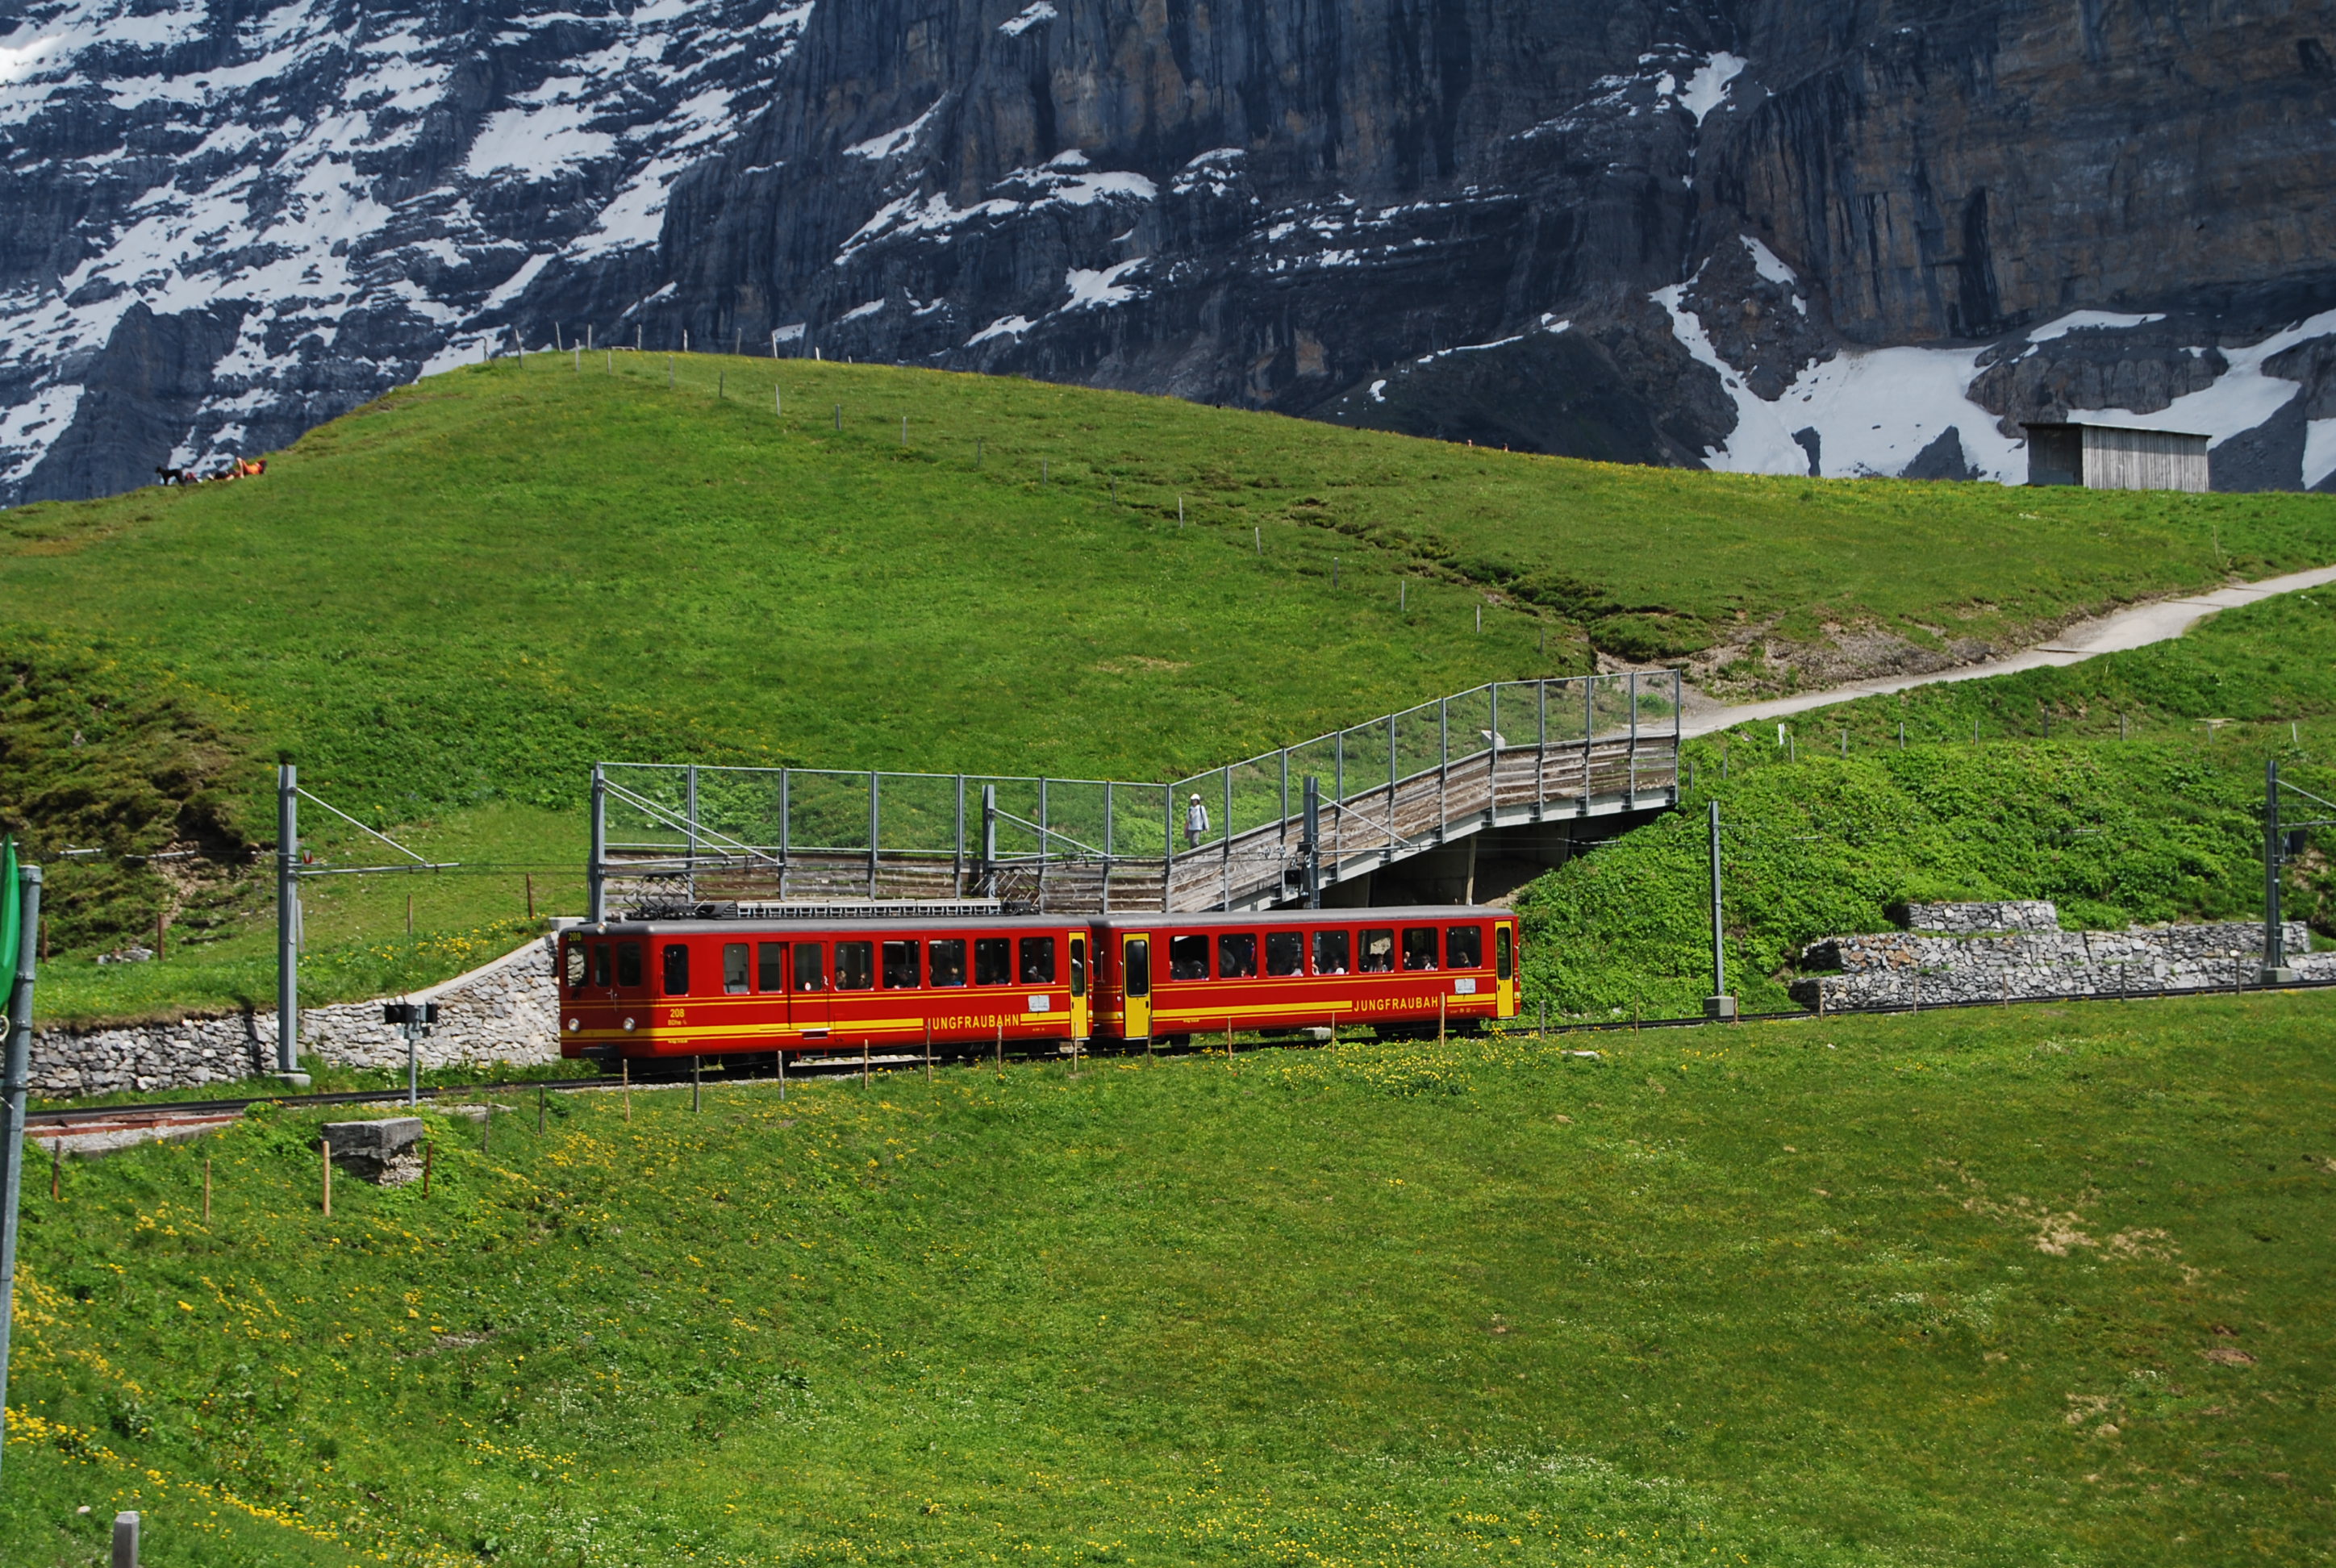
{"x":12,"y":917}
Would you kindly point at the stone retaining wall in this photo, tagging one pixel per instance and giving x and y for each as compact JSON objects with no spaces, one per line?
{"x":1899,"y":969}
{"x":505,"y":1011}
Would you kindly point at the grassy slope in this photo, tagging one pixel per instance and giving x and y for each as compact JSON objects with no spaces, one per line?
{"x":2010,"y":1287}
{"x":2163,"y":826}
{"x":455,"y":598}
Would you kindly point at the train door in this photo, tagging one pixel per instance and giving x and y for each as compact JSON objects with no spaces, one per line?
{"x":1079,"y":986}
{"x":809,"y":1011}
{"x":1135,"y":987}
{"x":1504,"y":968}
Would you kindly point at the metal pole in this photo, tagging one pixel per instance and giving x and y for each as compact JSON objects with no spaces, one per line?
{"x":1541,"y":745}
{"x":2275,"y":972}
{"x":1281,"y":828}
{"x":1108,"y":846}
{"x":1589,"y":729}
{"x":784,"y":804}
{"x":1313,"y":842}
{"x":957,"y":862}
{"x":596,"y":871}
{"x":1634,"y":740}
{"x":693,"y":833}
{"x":875,"y":830}
{"x":1442,"y":766}
{"x":13,"y":1081}
{"x":1719,"y":1004}
{"x":1168,"y":833}
{"x":1042,"y":843}
{"x":288,"y":919}
{"x":1675,"y":695}
{"x":990,"y":840}
{"x":1225,"y":830}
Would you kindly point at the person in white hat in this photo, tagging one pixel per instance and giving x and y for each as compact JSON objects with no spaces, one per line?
{"x":1196,"y":823}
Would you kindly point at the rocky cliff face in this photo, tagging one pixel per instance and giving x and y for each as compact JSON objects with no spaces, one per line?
{"x":1781,"y":234}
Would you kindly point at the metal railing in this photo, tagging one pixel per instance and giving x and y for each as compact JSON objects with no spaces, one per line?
{"x":675,"y":835}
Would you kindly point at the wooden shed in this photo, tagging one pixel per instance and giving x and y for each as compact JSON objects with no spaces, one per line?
{"x":2115,"y":457}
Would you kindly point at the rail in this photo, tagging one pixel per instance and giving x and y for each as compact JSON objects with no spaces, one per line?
{"x":675,"y":835}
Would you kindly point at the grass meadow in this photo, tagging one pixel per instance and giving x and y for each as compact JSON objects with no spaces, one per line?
{"x":2038,"y":1284}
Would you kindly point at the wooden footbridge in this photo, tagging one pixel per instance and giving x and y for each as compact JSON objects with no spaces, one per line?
{"x":673,"y":837}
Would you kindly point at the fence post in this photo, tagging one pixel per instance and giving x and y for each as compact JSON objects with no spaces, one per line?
{"x":1393,"y":773}
{"x":875,"y":830}
{"x":288,"y":919}
{"x":1493,"y":749}
{"x":125,"y":1540}
{"x":1541,"y":747}
{"x":1042,"y":843}
{"x":1109,"y":845}
{"x":2275,"y":972}
{"x":1719,"y":1004}
{"x":1167,"y":841}
{"x":1675,"y":695}
{"x":1589,"y":730}
{"x":1311,"y":846}
{"x":785,"y":812}
{"x":596,"y":871}
{"x":1633,"y":796}
{"x":1442,"y":766}
{"x":1225,"y":830}
{"x":693,"y":833}
{"x":990,"y":840}
{"x":957,"y":858}
{"x":1281,"y":828}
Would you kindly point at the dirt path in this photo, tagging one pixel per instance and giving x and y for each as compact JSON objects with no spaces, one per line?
{"x":2139,"y":628}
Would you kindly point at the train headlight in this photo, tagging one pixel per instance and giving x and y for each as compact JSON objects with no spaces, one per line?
{"x":571,"y":1026}
{"x":628,"y":1022}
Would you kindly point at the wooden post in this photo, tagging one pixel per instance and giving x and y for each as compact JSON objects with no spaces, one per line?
{"x":541,"y":1097}
{"x":863,"y":1063}
{"x":429,"y":1152}
{"x":530,"y":895}
{"x":326,"y":1145}
{"x":206,"y":1189}
{"x":696,"y":1086}
{"x":409,"y":914}
{"x":56,"y":1170}
{"x":1442,"y":1005}
{"x":626,"y":1064}
{"x":1001,"y":1053}
{"x":783,"y":1077}
{"x":487,"y":1130}
{"x":161,"y":950}
{"x":1229,"y":1045}
{"x":928,"y":1050}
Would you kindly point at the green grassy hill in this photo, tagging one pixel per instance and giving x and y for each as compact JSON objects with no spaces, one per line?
{"x":447,"y":604}
{"x":1999,"y":1287}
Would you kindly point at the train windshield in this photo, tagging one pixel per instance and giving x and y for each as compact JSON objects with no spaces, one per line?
{"x":628,"y":963}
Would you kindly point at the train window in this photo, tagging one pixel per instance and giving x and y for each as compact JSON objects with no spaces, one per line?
{"x":899,"y":966}
{"x":600,"y":963}
{"x":1419,"y":947}
{"x":1505,"y":964}
{"x":677,"y":970}
{"x":572,"y":965}
{"x":1236,"y":955}
{"x":628,"y":963}
{"x":811,"y":967}
{"x":855,"y":965}
{"x":1285,"y":952}
{"x":1139,"y":967}
{"x":734,"y":969}
{"x":771,"y":966}
{"x":1037,"y":961}
{"x":993,"y":960}
{"x":1330,"y":952}
{"x":1378,"y":952}
{"x":1188,"y":958}
{"x":946,"y":963}
{"x":1079,"y":966}
{"x":1464,"y":947}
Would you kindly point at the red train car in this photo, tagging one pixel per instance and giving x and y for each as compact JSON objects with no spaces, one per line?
{"x":1180,"y":975}
{"x":711,"y":988}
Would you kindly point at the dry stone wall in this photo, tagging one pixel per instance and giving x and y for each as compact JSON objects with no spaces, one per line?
{"x":2009,"y":951}
{"x":505,"y":1011}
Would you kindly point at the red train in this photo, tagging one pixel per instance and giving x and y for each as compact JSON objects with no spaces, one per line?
{"x":719,"y":986}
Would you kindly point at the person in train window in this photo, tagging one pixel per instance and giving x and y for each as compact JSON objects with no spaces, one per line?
{"x":1285,"y":952}
{"x":677,"y":970}
{"x":855,"y":965}
{"x":1378,"y":952}
{"x":945,"y":960}
{"x":1330,"y":952}
{"x":993,"y":960}
{"x":734,"y":969}
{"x":628,"y":963}
{"x":1037,"y":961}
{"x":1236,"y":955}
{"x":1464,"y":947}
{"x":811,"y":968}
{"x":1419,"y":947}
{"x":899,"y":966}
{"x":1188,"y":958}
